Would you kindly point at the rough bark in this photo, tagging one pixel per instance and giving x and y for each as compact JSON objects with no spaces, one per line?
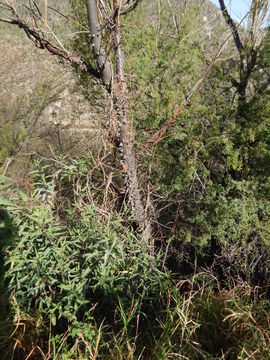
{"x":103,"y":64}
{"x":117,"y":87}
{"x":125,"y":134}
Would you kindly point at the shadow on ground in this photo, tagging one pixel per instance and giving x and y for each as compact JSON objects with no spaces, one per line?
{"x":6,"y":235}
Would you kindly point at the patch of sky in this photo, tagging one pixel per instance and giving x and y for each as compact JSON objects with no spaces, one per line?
{"x":238,"y":9}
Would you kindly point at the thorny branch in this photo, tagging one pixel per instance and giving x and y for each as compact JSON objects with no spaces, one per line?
{"x":45,"y":44}
{"x":42,"y":43}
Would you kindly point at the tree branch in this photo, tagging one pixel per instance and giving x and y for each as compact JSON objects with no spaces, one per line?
{"x":99,"y":53}
{"x":233,"y":27}
{"x":42,"y":43}
{"x":124,"y":9}
{"x":128,"y":7}
{"x":158,"y":135}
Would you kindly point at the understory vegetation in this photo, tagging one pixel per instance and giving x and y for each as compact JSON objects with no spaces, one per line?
{"x":77,"y":280}
{"x":81,"y":287}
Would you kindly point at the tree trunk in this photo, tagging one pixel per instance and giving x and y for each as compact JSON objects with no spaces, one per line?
{"x":125,"y":135}
{"x":103,"y":64}
{"x":120,"y":100}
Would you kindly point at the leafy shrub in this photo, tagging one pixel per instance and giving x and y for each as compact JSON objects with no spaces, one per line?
{"x":81,"y":287}
{"x":74,"y":271}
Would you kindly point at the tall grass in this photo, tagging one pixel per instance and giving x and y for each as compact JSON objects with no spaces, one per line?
{"x":200,"y":324}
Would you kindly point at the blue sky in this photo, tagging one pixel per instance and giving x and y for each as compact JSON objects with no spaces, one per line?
{"x":237,"y":8}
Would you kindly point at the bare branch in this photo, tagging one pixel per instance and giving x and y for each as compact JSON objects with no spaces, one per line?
{"x":124,"y":9}
{"x":158,"y":135}
{"x":37,"y":8}
{"x":42,"y":43}
{"x":40,"y":18}
{"x":129,"y":6}
{"x":58,"y":12}
{"x":232,"y":25}
{"x":6,"y":21}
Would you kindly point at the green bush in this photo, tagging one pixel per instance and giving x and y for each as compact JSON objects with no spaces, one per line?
{"x":81,"y":287}
{"x":74,"y":271}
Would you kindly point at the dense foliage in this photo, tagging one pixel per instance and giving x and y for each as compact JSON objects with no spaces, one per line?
{"x":81,"y":286}
{"x":76,"y":282}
